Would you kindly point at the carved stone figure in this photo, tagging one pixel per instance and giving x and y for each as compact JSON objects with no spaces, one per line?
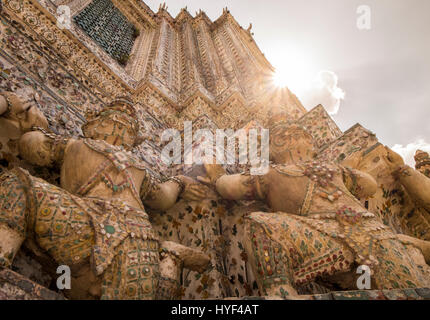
{"x":422,"y":162}
{"x":319,"y":231}
{"x":417,"y":185}
{"x":401,"y":200}
{"x":16,"y":118}
{"x":96,"y":222}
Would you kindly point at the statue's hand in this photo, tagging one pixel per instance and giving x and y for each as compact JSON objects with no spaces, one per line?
{"x":193,"y":190}
{"x":213,"y":172}
{"x":393,"y":160}
{"x":18,"y":117}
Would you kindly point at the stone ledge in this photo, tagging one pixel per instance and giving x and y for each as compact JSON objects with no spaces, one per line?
{"x":14,"y":286}
{"x":395,"y":294}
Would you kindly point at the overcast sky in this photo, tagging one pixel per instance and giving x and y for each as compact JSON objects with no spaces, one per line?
{"x":383,"y":74}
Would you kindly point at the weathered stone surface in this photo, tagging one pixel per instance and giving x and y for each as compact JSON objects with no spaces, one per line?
{"x":395,"y":294}
{"x":326,"y":296}
{"x":423,"y":292}
{"x":351,"y":295}
{"x":14,"y":286}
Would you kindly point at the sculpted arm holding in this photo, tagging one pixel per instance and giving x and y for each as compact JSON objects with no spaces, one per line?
{"x":18,"y":117}
{"x":163,"y":196}
{"x":362,"y":185}
{"x":42,"y":148}
{"x":418,"y":187}
{"x":415,"y":183}
{"x":232,"y":187}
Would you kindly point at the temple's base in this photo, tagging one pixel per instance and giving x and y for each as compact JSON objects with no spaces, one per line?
{"x":396,"y":294}
{"x":14,"y":286}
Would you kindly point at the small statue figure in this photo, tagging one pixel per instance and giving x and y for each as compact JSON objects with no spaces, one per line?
{"x":96,"y":222}
{"x":319,"y":230}
{"x":422,"y":162}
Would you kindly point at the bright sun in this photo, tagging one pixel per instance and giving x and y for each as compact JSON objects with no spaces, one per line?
{"x":293,"y":70}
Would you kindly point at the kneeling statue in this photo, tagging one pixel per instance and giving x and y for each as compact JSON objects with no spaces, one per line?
{"x":320,"y":230}
{"x":96,"y":222}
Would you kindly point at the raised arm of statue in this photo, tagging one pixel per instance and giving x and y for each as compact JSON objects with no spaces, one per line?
{"x":236,"y":186}
{"x":42,"y":148}
{"x":163,"y":196}
{"x":416,"y":184}
{"x":362,"y":185}
{"x":18,"y":117}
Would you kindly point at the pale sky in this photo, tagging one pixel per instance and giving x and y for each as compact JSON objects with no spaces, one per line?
{"x":382,"y":73}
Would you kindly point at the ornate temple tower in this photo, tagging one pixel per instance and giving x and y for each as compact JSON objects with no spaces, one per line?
{"x":177,"y":67}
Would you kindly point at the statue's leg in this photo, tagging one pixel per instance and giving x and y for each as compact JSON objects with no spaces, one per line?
{"x":170,"y":272}
{"x":269,"y":262}
{"x":13,"y":216}
{"x":285,"y":252}
{"x":10,"y":242}
{"x":134,"y":272}
{"x":173,"y":258}
{"x":399,"y":266}
{"x":422,"y":245}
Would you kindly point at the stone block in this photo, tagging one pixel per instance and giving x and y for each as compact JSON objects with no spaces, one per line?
{"x":423,"y":292}
{"x":14,"y":286}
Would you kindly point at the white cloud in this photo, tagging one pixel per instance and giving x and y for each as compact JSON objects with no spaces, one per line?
{"x":408,"y":151}
{"x":324,"y":90}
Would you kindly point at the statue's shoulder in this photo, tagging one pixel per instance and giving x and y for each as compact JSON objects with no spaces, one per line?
{"x":122,"y":158}
{"x":293,"y":170}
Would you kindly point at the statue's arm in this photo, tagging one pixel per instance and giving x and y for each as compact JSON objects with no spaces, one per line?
{"x":422,"y":245}
{"x":4,"y":105}
{"x":416,"y":184}
{"x":42,"y":148}
{"x":241,"y":187}
{"x":236,"y":186}
{"x":362,"y":185}
{"x":161,"y":196}
{"x":164,"y":195}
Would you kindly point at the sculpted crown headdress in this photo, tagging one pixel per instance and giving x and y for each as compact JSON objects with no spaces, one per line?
{"x":289,"y":140}
{"x":122,"y":108}
{"x":124,"y":115}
